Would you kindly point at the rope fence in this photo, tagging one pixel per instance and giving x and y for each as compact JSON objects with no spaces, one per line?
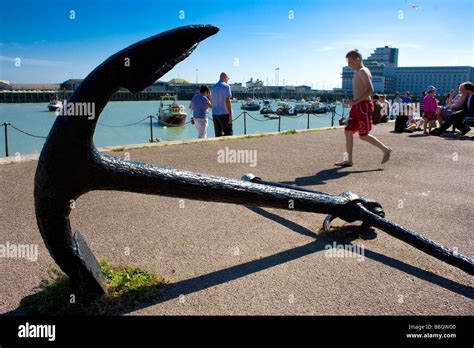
{"x":151,"y":118}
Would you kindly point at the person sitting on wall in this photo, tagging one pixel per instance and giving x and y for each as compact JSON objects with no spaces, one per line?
{"x":457,"y":117}
{"x":453,"y":102}
{"x":377,"y":116}
{"x":386,"y":109}
{"x":396,"y":106}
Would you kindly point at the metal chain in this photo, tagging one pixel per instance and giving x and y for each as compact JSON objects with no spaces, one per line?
{"x":29,"y":134}
{"x":256,"y":119}
{"x":322,"y":115}
{"x":289,"y":116}
{"x":124,"y":125}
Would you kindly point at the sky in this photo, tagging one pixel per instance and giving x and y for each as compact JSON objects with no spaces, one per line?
{"x":306,"y":39}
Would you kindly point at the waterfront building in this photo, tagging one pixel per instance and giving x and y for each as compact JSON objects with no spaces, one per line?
{"x":10,"y":86}
{"x":388,"y":77}
{"x":158,"y":86}
{"x":254,"y":85}
{"x":71,"y":84}
{"x":416,"y":79}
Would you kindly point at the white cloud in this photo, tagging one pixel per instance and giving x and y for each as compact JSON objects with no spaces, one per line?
{"x":31,"y":61}
{"x":325,"y":49}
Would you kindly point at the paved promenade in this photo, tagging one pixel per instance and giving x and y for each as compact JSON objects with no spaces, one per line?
{"x":229,"y":259}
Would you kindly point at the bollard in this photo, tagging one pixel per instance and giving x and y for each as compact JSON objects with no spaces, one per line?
{"x":279,"y":123}
{"x":307,"y":126}
{"x":151,"y":128}
{"x":245,"y":123}
{"x":333,"y":113}
{"x":6,"y":124}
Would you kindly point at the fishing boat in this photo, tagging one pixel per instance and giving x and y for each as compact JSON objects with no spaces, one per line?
{"x":55,"y":104}
{"x":267,"y":108}
{"x":303,"y":107}
{"x":320,"y":108}
{"x":171,"y":113}
{"x":286,"y":109}
{"x":250,"y":105}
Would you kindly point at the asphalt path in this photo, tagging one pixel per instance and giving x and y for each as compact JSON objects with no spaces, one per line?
{"x":231,"y":259}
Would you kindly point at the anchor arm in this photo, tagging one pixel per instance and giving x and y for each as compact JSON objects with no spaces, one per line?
{"x":431,"y":247}
{"x":66,"y":165}
{"x":371,"y":213}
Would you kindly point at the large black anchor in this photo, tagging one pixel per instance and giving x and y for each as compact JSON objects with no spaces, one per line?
{"x":70,"y":165}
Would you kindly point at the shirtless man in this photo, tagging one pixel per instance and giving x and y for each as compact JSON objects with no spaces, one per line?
{"x":362,"y":108}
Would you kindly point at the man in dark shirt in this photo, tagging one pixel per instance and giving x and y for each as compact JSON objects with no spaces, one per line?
{"x":221,"y":106}
{"x":457,"y":117}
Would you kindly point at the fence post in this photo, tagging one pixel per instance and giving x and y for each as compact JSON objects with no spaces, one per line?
{"x":245,"y":122}
{"x":279,"y":123}
{"x":307,"y":126}
{"x":332,"y":117}
{"x":151,"y":128}
{"x":5,"y":124}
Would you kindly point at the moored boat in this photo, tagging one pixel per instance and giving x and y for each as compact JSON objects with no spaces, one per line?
{"x":250,"y":105}
{"x":320,"y":108}
{"x":303,"y":107}
{"x":55,"y":104}
{"x":267,"y":108}
{"x":286,"y":109}
{"x":171,"y":113}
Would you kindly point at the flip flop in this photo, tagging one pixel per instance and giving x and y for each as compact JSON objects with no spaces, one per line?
{"x":386,"y":156}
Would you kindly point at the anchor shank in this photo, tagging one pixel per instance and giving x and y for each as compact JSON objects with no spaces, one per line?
{"x":116,"y":174}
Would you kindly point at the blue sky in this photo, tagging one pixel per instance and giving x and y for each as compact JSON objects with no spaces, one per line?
{"x":307,"y":44}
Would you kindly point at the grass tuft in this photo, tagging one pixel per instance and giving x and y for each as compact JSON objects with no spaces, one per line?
{"x":291,"y":131}
{"x":128,"y":286}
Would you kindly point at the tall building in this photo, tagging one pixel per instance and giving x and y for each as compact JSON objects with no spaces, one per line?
{"x":388,"y":77}
{"x":382,"y":63}
{"x":416,"y":79}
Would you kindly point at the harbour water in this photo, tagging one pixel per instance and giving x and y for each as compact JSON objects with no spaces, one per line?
{"x":35,"y":118}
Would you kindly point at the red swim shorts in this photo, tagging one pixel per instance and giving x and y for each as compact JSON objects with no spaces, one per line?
{"x":360,"y":117}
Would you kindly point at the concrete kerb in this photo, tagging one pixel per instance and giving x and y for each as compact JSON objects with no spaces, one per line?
{"x":120,"y":148}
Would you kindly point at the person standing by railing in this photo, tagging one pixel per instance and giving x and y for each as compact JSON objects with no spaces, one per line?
{"x":199,"y":104}
{"x":221,"y":106}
